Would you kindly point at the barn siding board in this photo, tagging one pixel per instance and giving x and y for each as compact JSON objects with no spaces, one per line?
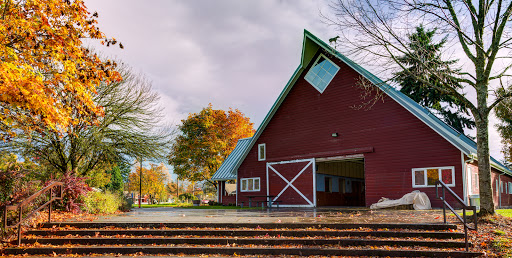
{"x":306,"y":119}
{"x":506,"y":198}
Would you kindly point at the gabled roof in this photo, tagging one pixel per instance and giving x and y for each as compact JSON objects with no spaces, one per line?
{"x":311,"y":45}
{"x":227,"y":170}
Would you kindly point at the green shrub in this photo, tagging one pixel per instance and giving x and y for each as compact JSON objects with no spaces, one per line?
{"x":126,"y":204}
{"x":102,"y":202}
{"x":186,"y":197}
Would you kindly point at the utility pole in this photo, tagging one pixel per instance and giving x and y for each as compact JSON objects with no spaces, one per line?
{"x":140,"y":184}
{"x":177,"y":188}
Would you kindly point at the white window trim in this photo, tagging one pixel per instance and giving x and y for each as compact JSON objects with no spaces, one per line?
{"x":264,"y":152}
{"x":439,"y":171}
{"x":334,"y":75}
{"x":247,"y":184}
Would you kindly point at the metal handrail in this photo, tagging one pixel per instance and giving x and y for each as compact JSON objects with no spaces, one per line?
{"x":462,"y":219}
{"x":28,"y":201}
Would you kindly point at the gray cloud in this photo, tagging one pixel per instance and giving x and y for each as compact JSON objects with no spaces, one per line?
{"x":236,"y":54}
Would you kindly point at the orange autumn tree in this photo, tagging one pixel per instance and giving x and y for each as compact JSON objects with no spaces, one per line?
{"x":45,"y":71}
{"x":205,"y":140}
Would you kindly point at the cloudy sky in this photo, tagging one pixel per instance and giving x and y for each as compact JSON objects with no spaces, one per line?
{"x":230,"y":53}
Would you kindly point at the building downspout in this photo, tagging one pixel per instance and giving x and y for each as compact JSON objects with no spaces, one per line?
{"x":464,"y":174}
{"x":464,"y":183}
{"x":219,"y":198}
{"x":237,"y":190}
{"x":499,"y":189}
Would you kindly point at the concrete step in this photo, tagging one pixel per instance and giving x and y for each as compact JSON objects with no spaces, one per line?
{"x":251,"y":239}
{"x":197,"y":250}
{"x":252,"y":225}
{"x":242,"y":241}
{"x":247,"y":233}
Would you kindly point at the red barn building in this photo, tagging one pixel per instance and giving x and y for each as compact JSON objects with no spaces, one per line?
{"x":316,"y":147}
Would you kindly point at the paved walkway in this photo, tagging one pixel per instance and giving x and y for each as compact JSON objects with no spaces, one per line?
{"x":284,"y":215}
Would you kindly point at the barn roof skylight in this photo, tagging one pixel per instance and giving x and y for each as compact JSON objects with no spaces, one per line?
{"x":321,"y":73}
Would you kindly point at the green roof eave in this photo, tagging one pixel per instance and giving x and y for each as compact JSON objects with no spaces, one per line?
{"x":227,"y":170}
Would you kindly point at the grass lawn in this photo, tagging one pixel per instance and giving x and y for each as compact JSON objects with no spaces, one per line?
{"x":505,"y":212}
{"x":502,"y":212}
{"x":136,"y":205}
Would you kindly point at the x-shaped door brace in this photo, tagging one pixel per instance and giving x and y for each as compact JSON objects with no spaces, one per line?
{"x":290,"y":183}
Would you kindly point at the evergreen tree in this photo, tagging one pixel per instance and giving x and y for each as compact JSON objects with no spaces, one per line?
{"x":125,"y":169}
{"x":503,"y":112}
{"x":116,"y":183}
{"x":414,"y":76}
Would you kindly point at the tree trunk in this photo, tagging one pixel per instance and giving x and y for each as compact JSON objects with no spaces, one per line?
{"x":484,"y":166}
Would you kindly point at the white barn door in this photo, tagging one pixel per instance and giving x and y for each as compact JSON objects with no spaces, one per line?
{"x":292,"y":183}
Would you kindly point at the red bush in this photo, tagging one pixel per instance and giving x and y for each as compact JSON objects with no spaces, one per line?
{"x":74,"y":192}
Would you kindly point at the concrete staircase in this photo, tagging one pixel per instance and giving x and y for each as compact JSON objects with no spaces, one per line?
{"x":293,"y":239}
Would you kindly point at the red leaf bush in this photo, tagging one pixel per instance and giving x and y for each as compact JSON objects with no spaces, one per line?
{"x":74,"y":192}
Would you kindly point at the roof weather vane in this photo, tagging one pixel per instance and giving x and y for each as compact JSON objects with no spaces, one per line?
{"x":333,"y":41}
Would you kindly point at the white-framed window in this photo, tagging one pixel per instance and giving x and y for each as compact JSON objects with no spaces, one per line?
{"x":250,"y":184}
{"x":262,"y":152}
{"x":501,"y":186}
{"x":509,"y":187}
{"x":321,"y":73}
{"x":497,"y":187}
{"x":427,"y":177}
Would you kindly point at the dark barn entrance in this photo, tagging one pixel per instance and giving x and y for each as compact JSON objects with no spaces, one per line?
{"x":340,"y":182}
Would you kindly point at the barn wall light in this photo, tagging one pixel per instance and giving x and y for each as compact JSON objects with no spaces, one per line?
{"x":334,"y":135}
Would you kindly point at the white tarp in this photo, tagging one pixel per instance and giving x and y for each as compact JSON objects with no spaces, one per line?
{"x":419,"y":201}
{"x":230,"y":189}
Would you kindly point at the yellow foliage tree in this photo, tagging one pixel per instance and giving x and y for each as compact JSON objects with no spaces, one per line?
{"x":153,"y":181}
{"x":45,"y":72}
